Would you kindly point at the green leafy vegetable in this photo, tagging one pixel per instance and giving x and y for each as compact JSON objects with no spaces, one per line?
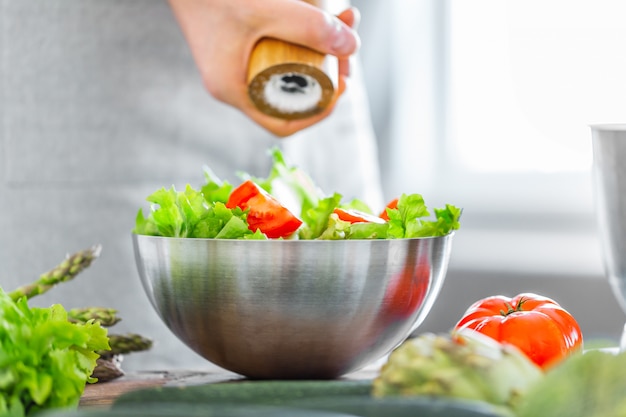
{"x":589,"y":384}
{"x":45,"y":360}
{"x":407,"y":221}
{"x":215,"y":190}
{"x":316,"y":219}
{"x":203,"y":213}
{"x":188,"y":214}
{"x":337,"y":229}
{"x":368,"y":231}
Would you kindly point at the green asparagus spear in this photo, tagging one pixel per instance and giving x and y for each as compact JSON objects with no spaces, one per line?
{"x":121,"y":344}
{"x":65,"y":271}
{"x":107,"y":317}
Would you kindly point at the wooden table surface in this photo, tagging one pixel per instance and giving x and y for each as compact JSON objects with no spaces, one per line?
{"x":103,"y":394}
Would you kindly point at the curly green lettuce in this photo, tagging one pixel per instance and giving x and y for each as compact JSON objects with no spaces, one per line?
{"x":45,"y":360}
{"x":412,"y":219}
{"x":188,"y":214}
{"x":203,"y":214}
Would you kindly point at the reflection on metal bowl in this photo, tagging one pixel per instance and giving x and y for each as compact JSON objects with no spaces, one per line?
{"x":292,"y":309}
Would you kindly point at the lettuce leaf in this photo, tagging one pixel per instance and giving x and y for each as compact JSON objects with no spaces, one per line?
{"x":368,"y":231}
{"x":316,"y":219}
{"x":215,"y":190}
{"x":408,"y":219}
{"x":203,"y":213}
{"x":336,"y":229}
{"x":45,"y":360}
{"x":339,"y":229}
{"x":188,"y":214}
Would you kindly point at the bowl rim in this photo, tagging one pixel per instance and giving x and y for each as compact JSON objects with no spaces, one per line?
{"x":290,"y":241}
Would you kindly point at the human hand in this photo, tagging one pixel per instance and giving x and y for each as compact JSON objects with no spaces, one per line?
{"x":222,"y":33}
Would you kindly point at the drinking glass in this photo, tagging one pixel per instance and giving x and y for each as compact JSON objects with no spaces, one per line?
{"x":609,"y":186}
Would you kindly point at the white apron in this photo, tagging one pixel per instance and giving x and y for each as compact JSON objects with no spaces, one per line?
{"x":101,"y":104}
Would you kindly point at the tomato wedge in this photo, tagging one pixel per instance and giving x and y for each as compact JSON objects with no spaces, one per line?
{"x":265,"y":212}
{"x":356,"y":216}
{"x":393,"y":204}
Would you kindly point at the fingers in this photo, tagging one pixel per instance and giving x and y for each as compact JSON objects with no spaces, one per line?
{"x":347,"y":18}
{"x":351,"y":17}
{"x":222,"y":33}
{"x":301,"y":23}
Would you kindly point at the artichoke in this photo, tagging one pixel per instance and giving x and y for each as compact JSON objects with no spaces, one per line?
{"x":465,"y":365}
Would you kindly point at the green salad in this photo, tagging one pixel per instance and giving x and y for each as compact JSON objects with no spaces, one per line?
{"x":45,"y":360}
{"x":285,"y":205}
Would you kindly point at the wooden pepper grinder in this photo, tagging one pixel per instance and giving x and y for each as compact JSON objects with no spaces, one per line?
{"x":290,"y":81}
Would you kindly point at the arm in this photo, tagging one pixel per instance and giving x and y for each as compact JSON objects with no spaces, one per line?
{"x":222,"y":33}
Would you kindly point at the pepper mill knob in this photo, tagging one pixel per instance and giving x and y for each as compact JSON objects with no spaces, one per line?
{"x":290,"y":81}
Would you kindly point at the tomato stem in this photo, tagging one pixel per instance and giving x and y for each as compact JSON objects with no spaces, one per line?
{"x":512,"y":309}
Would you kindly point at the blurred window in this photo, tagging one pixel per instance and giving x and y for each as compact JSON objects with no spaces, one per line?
{"x":527,"y":77}
{"x":496,"y":119}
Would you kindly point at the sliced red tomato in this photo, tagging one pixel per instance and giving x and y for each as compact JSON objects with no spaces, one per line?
{"x":356,"y":216}
{"x":537,"y":325}
{"x":265,"y":212}
{"x":393,"y":204}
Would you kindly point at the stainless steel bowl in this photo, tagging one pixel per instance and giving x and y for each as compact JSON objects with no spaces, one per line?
{"x":292,"y":309}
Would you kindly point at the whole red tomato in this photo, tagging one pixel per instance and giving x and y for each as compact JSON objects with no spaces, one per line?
{"x":536,"y":325}
{"x":265,"y":213}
